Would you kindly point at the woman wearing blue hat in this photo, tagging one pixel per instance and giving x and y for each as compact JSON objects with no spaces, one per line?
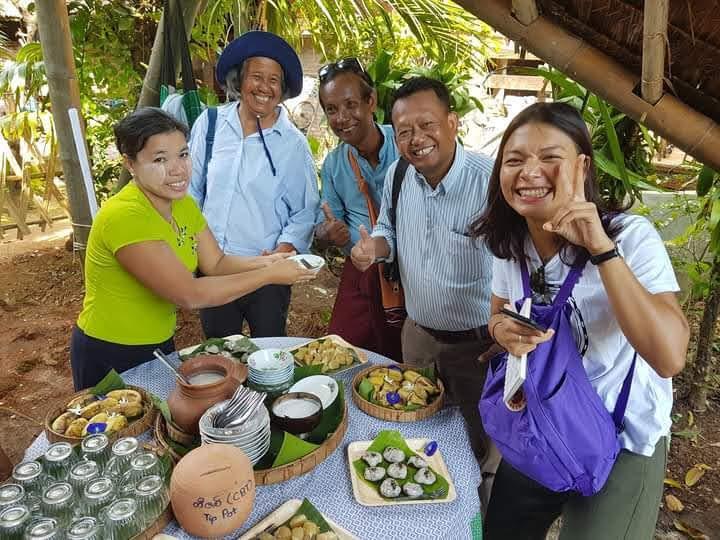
{"x":257,"y":184}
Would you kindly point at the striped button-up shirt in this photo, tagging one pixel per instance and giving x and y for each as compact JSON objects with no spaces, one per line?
{"x":445,"y":274}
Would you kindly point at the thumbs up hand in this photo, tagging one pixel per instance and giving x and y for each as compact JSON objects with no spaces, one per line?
{"x":363,"y":253}
{"x":332,"y":229}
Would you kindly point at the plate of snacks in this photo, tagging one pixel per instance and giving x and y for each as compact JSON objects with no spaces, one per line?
{"x":332,"y":354}
{"x":236,"y":346}
{"x":295,"y":515}
{"x":398,"y":394}
{"x":390,"y":470}
{"x":111,"y":408}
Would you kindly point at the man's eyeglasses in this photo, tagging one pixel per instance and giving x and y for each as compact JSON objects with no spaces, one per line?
{"x":346,"y":64}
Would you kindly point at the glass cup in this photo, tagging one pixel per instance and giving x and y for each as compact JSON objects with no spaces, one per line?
{"x":122,"y":520}
{"x":84,"y":528}
{"x":11,"y":495}
{"x":13,"y":520}
{"x":58,"y":458}
{"x":44,"y":528}
{"x":96,"y":448}
{"x":98,"y":493}
{"x":152,"y":498}
{"x":81,"y":473}
{"x":58,"y":502}
{"x":29,"y":475}
{"x":122,"y":452}
{"x":142,"y":464}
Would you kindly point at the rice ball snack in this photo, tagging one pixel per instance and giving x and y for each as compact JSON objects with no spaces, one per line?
{"x":393,"y":455}
{"x":390,"y":488}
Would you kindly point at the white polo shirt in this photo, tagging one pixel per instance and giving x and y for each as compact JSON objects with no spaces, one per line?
{"x":609,"y":355}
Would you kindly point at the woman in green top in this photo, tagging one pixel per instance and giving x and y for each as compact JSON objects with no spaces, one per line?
{"x":145,"y":244}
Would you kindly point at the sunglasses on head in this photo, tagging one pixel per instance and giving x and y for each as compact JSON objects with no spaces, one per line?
{"x":346,"y":64}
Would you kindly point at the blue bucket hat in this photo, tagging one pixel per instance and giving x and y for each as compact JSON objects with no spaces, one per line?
{"x":258,"y":43}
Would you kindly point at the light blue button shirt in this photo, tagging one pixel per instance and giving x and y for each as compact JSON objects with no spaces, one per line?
{"x":246,"y":207}
{"x":340,"y":188}
{"x":446,"y":274}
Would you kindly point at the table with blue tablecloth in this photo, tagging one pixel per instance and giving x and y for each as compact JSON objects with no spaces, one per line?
{"x":328,"y":486}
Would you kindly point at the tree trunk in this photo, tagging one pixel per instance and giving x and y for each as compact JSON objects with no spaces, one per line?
{"x":703,"y":364}
{"x":150,"y":93}
{"x":56,"y":43}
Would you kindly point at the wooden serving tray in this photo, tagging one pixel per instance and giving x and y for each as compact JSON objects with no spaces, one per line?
{"x":394,"y":415}
{"x":285,"y":512}
{"x":274,"y":475}
{"x":135,"y":427}
{"x":369,"y":496}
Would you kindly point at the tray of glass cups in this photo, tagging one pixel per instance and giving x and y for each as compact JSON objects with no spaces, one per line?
{"x":93,"y":491}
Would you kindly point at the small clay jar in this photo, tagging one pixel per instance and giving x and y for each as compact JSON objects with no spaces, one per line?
{"x":188,"y":402}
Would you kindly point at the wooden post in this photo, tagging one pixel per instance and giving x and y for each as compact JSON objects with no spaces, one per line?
{"x":150,"y":92}
{"x":54,"y":28}
{"x":685,"y":127}
{"x":525,"y":11}
{"x":655,"y":20}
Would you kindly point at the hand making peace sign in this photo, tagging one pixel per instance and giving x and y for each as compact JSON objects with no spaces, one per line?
{"x":578,"y":220}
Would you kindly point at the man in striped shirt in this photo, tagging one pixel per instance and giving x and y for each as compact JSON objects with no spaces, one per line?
{"x":445,"y":274}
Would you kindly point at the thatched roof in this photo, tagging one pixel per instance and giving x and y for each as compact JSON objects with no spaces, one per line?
{"x":603,"y":44}
{"x":692,"y":67}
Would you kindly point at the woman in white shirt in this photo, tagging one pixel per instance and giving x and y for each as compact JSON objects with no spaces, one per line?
{"x":544,"y":207}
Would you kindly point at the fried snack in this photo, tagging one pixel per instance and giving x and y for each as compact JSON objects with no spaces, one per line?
{"x":97,"y":407}
{"x":129,"y":409}
{"x":327,"y":354}
{"x":411,"y":387}
{"x":81,"y":401}
{"x":62,"y":422}
{"x":116,"y":423}
{"x":76,"y":427}
{"x":125,"y":395}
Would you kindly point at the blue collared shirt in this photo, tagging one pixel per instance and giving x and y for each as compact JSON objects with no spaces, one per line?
{"x":446,"y":274}
{"x":340,"y":188}
{"x":246,"y":207}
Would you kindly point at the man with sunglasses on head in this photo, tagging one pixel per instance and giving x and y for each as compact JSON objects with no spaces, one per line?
{"x":348,"y":97}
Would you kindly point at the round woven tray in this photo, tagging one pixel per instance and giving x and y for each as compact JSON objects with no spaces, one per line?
{"x":394,"y":415}
{"x":135,"y":427}
{"x":276,"y":474}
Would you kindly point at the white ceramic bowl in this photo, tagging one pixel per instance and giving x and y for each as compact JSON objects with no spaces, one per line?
{"x":270,"y":360}
{"x":324,"y":387}
{"x":313,"y":260}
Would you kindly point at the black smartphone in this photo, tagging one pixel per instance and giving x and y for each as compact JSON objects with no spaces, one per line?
{"x":525,"y":321}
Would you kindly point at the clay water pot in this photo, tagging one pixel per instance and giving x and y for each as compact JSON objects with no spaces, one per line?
{"x":213,"y":378}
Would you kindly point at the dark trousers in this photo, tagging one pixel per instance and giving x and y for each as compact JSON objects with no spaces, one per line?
{"x":91,"y":358}
{"x":625,"y":508}
{"x":464,"y":377}
{"x":358,"y":315}
{"x":265,"y":310}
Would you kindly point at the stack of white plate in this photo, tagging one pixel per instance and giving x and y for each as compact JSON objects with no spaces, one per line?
{"x":270,"y":371}
{"x":252,"y":436}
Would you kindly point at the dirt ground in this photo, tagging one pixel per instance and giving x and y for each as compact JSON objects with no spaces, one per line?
{"x":41,"y":295}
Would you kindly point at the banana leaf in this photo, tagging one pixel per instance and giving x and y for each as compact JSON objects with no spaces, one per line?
{"x":438,"y":490}
{"x":240,"y":348}
{"x":292,"y":448}
{"x":313,"y":514}
{"x":111,"y":381}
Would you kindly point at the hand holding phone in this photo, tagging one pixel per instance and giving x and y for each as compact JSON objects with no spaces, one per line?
{"x":525,"y":321}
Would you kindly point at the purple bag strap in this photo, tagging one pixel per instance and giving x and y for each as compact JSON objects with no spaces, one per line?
{"x":566,"y":288}
{"x":622,"y":400}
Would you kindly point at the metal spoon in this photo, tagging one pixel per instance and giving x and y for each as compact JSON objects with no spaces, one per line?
{"x":165,"y":360}
{"x":306,"y":264}
{"x":254,"y":406}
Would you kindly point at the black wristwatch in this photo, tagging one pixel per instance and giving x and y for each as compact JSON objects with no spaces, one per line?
{"x":606,"y":256}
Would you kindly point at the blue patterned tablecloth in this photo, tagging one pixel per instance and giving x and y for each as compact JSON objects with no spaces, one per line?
{"x":328,"y":486}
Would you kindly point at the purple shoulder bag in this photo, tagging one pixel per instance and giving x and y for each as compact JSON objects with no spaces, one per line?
{"x":563,"y":438}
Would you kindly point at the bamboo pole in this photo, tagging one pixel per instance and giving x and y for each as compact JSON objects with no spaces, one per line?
{"x":54,"y":29}
{"x":670,"y":118}
{"x":525,"y":11}
{"x":150,"y":92}
{"x":655,"y":20}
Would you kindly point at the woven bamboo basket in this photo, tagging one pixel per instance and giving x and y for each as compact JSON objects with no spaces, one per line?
{"x":277,"y":474}
{"x":162,"y":437}
{"x":135,"y":427}
{"x":306,"y":463}
{"x":394,"y":415}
